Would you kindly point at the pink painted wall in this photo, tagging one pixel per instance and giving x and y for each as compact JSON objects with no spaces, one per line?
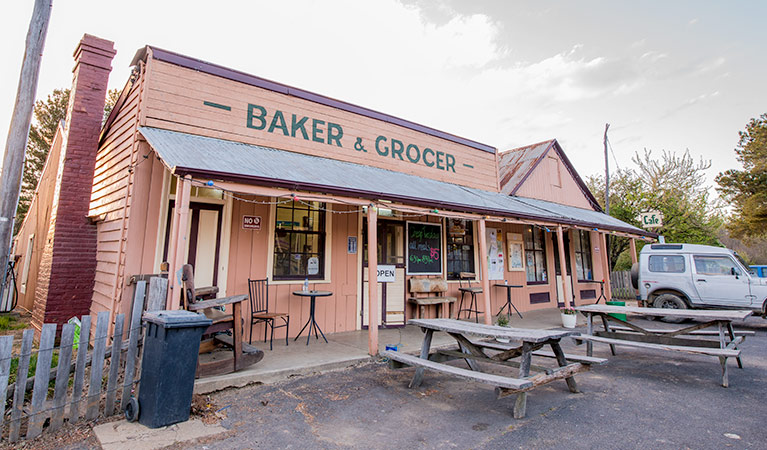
{"x":551,"y":181}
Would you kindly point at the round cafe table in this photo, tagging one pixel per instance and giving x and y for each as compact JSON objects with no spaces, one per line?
{"x":508,"y":304}
{"x":311,"y":323}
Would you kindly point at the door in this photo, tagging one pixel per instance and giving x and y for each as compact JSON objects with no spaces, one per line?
{"x":558,"y":270}
{"x":720,"y":281}
{"x":391,"y":295}
{"x":204,"y":243}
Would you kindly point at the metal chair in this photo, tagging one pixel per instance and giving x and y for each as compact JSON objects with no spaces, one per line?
{"x":259,"y":307}
{"x":466,"y":277}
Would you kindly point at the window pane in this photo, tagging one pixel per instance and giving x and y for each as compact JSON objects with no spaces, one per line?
{"x":460,"y":247}
{"x":284,"y":218}
{"x":298,"y":237}
{"x":666,"y":263}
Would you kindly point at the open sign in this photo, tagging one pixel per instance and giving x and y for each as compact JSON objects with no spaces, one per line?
{"x":386,"y":273}
{"x":251,"y":222}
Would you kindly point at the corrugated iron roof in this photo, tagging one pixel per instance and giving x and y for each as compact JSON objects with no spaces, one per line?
{"x":204,"y":157}
{"x":516,"y":164}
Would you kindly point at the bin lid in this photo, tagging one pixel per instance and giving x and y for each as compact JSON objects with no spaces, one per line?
{"x":177,"y":319}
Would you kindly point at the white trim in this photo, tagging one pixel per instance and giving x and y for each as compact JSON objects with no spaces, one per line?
{"x":27,"y":263}
{"x":162,"y":220}
{"x":359,"y":276}
{"x":223,"y":253}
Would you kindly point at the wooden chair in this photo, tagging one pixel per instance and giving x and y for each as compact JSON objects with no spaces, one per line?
{"x":244,"y":354}
{"x":465,"y":287}
{"x":259,"y":307}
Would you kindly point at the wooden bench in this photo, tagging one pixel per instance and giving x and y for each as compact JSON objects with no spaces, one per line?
{"x":588,"y":360}
{"x":487,"y":378}
{"x":430,"y":291}
{"x":693,"y":333}
{"x":713,"y":351}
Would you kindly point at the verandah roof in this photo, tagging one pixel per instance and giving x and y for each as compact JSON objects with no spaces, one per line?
{"x":210,"y":158}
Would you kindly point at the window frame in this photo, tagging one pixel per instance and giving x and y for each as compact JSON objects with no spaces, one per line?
{"x":469,"y":234}
{"x":585,"y":253}
{"x":531,"y":250}
{"x":321,"y":234}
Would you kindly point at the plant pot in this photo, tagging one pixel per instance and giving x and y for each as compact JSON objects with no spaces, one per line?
{"x":568,"y":320}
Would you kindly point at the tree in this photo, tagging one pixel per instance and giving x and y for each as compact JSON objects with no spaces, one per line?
{"x":672,"y":184}
{"x":47,"y":116}
{"x":746,"y":190}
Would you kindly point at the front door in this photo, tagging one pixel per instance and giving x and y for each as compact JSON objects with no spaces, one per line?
{"x":204,"y":231}
{"x":558,"y":271}
{"x":391,"y":294}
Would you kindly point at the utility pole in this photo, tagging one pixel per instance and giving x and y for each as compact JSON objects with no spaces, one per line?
{"x":607,"y":174}
{"x":15,"y":146}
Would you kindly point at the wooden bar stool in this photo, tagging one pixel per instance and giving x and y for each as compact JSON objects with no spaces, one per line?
{"x":465,"y":278}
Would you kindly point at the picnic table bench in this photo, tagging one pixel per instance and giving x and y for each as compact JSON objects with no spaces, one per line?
{"x":477,"y":352}
{"x":688,"y":339}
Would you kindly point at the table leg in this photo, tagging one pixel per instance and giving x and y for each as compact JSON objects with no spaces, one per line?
{"x":237,"y":334}
{"x":520,"y":405}
{"x":562,"y":363}
{"x":589,"y":344}
{"x":508,"y":300}
{"x":723,"y":359}
{"x":425,"y":346}
{"x":732,"y":338}
{"x":607,"y":328}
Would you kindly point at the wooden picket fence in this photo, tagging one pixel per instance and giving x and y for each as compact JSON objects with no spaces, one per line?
{"x":620,"y":283}
{"x":74,"y":395}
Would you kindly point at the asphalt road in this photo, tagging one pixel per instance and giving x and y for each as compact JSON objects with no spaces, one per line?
{"x":639,"y":399}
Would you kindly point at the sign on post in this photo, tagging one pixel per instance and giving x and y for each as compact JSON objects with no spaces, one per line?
{"x":651,"y":219}
{"x":386,"y":273}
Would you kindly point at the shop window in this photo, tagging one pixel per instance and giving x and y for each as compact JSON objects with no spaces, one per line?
{"x":535,"y":256}
{"x":299,"y":237}
{"x":582,"y":244}
{"x":460,"y":247}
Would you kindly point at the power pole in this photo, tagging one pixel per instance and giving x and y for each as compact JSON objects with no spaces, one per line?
{"x":607,"y":197}
{"x":607,"y":174}
{"x":15,"y":146}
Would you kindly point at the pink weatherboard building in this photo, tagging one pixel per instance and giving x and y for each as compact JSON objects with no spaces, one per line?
{"x":246,"y":178}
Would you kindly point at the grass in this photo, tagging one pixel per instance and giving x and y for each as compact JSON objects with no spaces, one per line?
{"x":8,"y":323}
{"x":32,"y":365}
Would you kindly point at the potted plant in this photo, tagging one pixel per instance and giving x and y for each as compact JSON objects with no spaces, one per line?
{"x":502,"y":321}
{"x":568,"y":317}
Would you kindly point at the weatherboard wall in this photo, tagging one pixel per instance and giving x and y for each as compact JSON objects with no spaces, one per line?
{"x":195,"y":102}
{"x":550,"y":180}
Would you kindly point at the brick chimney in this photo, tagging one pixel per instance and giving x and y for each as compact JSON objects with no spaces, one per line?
{"x":68,"y":262}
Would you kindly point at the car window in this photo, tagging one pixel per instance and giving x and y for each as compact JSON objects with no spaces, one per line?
{"x":666,"y":263}
{"x":714,"y":265}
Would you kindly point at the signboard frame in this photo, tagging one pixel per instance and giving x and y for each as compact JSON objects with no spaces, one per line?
{"x":407,"y":247}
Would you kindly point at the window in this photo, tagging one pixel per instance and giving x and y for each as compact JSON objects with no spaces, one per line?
{"x":535,"y":255}
{"x":667,"y":263}
{"x":460,"y":247}
{"x":582,"y":244}
{"x":299,"y":236}
{"x":27,"y":263}
{"x":715,"y":265}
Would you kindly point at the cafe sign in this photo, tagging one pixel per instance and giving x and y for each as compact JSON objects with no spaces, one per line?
{"x":651,"y":219}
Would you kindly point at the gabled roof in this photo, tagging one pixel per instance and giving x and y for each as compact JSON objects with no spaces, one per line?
{"x":215,"y":159}
{"x":516,"y":165}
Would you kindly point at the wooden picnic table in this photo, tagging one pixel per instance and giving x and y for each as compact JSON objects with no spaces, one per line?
{"x":690,"y":339}
{"x":528,"y":343}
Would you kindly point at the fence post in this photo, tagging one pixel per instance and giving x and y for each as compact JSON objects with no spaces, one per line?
{"x":6,"y":354}
{"x":21,"y":384}
{"x":62,"y":375}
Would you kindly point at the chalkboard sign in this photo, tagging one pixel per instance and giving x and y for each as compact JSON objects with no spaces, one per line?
{"x":424,"y":248}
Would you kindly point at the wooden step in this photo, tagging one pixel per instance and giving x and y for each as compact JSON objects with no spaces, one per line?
{"x":487,"y":378}
{"x":726,"y":352}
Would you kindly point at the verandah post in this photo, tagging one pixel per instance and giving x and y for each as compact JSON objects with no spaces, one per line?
{"x":372,"y":280}
{"x":178,"y":239}
{"x":485,"y":272}
{"x":563,"y":268}
{"x":605,"y":266}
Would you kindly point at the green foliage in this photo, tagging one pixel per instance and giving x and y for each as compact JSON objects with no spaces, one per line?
{"x":674,"y":185}
{"x":47,"y":116}
{"x":32,"y":365}
{"x":746,"y":190}
{"x":502,"y":320}
{"x":8,"y":323}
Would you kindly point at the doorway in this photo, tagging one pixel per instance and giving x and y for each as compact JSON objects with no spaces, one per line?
{"x":204,"y":243}
{"x":568,"y":268}
{"x":391,"y":294}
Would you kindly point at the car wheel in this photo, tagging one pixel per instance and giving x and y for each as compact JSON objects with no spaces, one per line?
{"x":671,"y":301}
{"x":635,"y":275}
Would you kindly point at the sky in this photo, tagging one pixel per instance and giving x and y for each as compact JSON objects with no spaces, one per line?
{"x":665,"y":75}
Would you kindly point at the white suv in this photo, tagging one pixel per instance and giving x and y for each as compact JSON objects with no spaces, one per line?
{"x":697,"y":276}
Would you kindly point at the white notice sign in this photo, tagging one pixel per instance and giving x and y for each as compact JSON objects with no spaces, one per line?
{"x":386,"y":273}
{"x":313,"y":266}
